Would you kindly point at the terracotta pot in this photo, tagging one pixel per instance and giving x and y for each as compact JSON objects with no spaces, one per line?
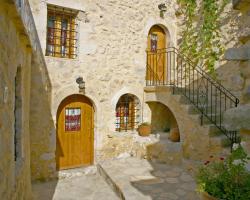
{"x":174,"y":135}
{"x":144,"y":130}
{"x":206,"y":196}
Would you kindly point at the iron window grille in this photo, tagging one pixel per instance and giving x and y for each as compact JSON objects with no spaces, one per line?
{"x":61,"y":32}
{"x":127,"y":113}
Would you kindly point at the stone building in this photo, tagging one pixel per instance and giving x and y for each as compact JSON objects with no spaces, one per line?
{"x":78,"y":77}
{"x":20,"y":49}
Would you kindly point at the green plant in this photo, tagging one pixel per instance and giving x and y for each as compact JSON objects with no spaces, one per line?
{"x":226,"y":179}
{"x":201,"y":36}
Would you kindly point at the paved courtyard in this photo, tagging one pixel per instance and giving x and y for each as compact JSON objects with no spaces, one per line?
{"x":143,"y":180}
{"x":74,"y":185}
{"x":126,"y":178}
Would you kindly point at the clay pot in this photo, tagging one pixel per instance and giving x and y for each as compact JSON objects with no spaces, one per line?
{"x":206,"y":196}
{"x":144,"y":130}
{"x":174,"y":135}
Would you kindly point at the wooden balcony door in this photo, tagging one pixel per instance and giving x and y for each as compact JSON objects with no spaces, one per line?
{"x":156,"y":58}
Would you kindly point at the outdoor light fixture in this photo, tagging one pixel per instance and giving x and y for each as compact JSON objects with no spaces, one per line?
{"x":81,"y":84}
{"x":163,"y":8}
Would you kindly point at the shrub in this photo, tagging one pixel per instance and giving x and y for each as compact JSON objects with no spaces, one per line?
{"x":226,"y":179}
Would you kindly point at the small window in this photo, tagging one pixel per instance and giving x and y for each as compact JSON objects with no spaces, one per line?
{"x":127,"y":113}
{"x":154,"y":39}
{"x":72,"y":119}
{"x":61,"y":32}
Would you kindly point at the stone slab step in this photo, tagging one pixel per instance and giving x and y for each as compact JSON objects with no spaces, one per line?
{"x":139,"y":179}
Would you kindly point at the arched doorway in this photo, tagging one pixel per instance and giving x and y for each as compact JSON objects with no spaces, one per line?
{"x":156,"y":59}
{"x":75,"y":132}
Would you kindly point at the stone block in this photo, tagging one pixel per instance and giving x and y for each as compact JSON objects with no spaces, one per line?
{"x":237,"y":118}
{"x":242,"y":53}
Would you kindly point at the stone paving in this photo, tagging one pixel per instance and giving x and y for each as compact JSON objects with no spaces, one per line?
{"x":78,"y":184}
{"x":138,"y":179}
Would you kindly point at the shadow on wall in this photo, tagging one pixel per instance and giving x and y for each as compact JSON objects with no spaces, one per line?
{"x":42,"y":129}
{"x":162,"y":118}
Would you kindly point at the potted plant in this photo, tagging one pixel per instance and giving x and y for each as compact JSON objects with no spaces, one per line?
{"x":144,"y":129}
{"x":226,"y":179}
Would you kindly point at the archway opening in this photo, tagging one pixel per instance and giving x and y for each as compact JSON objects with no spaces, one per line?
{"x":163,"y":121}
{"x":75,"y":132}
{"x":127,"y":113}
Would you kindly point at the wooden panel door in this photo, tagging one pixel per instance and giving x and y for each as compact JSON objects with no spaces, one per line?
{"x":75,"y":133}
{"x":156,"y":69}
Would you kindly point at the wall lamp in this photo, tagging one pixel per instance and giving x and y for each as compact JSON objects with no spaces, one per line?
{"x":81,"y":84}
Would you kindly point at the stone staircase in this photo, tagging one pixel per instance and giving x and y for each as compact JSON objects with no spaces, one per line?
{"x":197,"y":100}
{"x":198,"y":141}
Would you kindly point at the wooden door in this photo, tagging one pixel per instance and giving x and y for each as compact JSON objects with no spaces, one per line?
{"x":75,"y":132}
{"x":156,"y":59}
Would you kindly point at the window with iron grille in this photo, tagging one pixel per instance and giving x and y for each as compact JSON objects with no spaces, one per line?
{"x":127,"y":113}
{"x":61,"y":32}
{"x":72,"y":119}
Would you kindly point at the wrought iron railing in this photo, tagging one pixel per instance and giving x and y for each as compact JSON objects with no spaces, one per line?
{"x":211,"y":99}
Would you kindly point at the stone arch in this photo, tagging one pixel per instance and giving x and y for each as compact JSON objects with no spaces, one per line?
{"x":127,"y":112}
{"x":169,"y":27}
{"x":167,"y":34}
{"x":71,"y":90}
{"x":176,"y":111}
{"x":162,"y":118}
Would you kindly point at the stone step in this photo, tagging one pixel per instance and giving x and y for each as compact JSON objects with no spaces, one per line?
{"x":220,"y":140}
{"x":206,"y":120}
{"x":214,"y":117}
{"x":194,"y":110}
{"x":186,"y":100}
{"x":214,"y":131}
{"x":191,"y":93}
{"x":115,"y":187}
{"x":140,"y":179}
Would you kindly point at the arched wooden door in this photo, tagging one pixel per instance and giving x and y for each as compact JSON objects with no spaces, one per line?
{"x":156,"y":59}
{"x":75,"y":132}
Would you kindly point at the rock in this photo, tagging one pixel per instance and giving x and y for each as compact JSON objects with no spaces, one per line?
{"x":172,"y":174}
{"x":181,"y":192}
{"x":172,"y":180}
{"x":186,"y":178}
{"x":169,"y":195}
{"x":237,"y":118}
{"x":123,"y":155}
{"x":242,"y":53}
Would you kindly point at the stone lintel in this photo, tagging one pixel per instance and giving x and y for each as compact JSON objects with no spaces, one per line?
{"x":237,"y":118}
{"x":238,"y":54}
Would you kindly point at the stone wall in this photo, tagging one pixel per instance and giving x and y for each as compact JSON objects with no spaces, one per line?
{"x":239,"y":60}
{"x":15,"y":52}
{"x":228,"y":31}
{"x":111,"y":59}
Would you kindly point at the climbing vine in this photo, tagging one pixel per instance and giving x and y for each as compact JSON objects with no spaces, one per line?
{"x":201,"y":38}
